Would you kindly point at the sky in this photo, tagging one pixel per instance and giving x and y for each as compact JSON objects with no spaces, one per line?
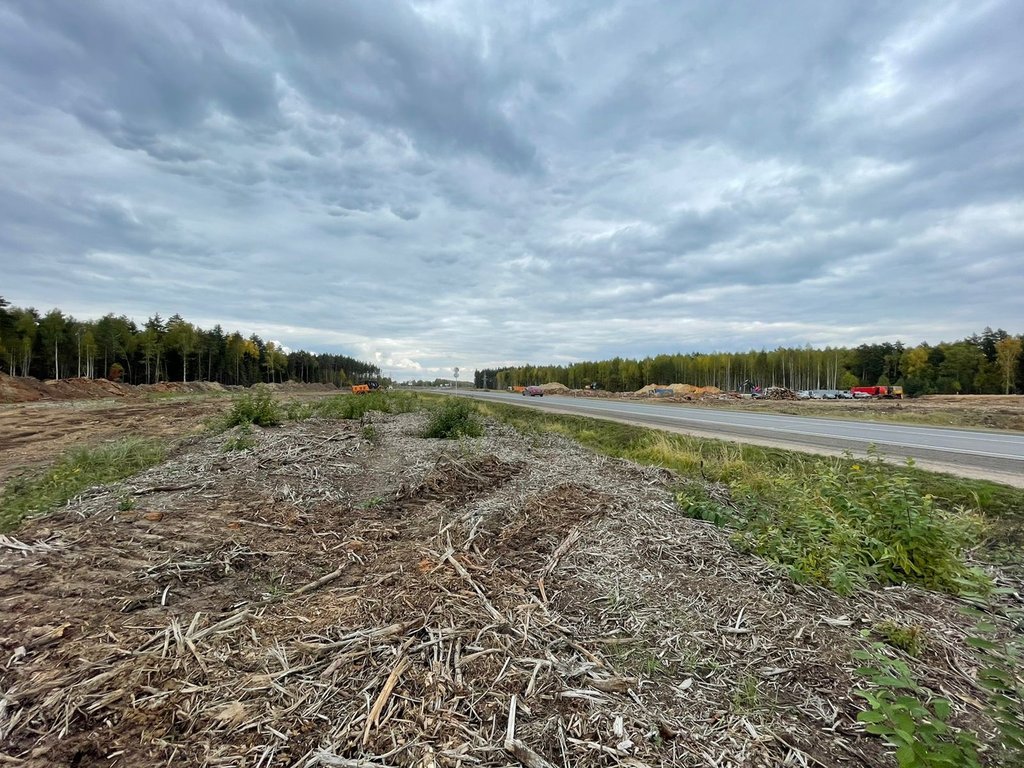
{"x":433,"y":184}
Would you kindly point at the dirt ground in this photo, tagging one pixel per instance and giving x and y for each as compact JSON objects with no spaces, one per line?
{"x":351,"y":594}
{"x":33,"y":434}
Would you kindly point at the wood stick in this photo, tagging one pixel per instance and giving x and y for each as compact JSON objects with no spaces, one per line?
{"x":383,"y":696}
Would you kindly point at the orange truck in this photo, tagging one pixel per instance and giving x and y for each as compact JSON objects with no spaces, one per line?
{"x":360,"y":389}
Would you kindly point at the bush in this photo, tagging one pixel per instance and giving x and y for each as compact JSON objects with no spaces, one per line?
{"x":353,"y":406}
{"x":909,"y":717}
{"x":845,"y":524}
{"x":453,"y":419}
{"x":256,"y":407}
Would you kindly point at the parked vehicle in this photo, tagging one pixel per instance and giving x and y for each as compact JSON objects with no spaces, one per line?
{"x":360,"y":389}
{"x":879,"y":391}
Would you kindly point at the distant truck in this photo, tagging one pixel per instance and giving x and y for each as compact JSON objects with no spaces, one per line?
{"x":533,"y":392}
{"x":886,"y":392}
{"x":360,"y":389}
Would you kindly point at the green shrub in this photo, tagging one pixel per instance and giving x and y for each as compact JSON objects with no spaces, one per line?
{"x":909,"y":717}
{"x":73,"y":473}
{"x":354,"y":406}
{"x":845,"y":524}
{"x":256,"y":407}
{"x":454,"y":418}
{"x":1001,"y":674}
{"x":906,"y":638}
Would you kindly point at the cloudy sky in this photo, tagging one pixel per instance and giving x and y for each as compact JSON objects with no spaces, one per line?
{"x":439,"y":183}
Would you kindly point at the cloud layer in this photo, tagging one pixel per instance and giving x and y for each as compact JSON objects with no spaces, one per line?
{"x":443,"y":183}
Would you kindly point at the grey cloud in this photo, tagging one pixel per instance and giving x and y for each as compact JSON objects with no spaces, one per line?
{"x":458,"y":183}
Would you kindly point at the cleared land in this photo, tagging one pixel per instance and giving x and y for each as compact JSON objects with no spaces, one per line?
{"x":348,"y":593}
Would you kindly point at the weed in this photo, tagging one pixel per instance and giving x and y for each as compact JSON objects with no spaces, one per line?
{"x":746,"y":697}
{"x":256,"y":407}
{"x":909,"y":717}
{"x":126,"y":504}
{"x":452,"y":419}
{"x":370,"y":433}
{"x":906,"y":638}
{"x":1001,"y":674}
{"x":74,"y":472}
{"x":243,"y":440}
{"x":354,"y":406}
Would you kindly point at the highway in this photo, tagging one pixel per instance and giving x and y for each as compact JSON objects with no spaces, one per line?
{"x":970,"y":453}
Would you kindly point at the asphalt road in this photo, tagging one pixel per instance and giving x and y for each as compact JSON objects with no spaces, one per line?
{"x":972,"y":453}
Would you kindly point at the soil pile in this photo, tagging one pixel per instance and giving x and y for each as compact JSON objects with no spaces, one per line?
{"x":348,"y":597}
{"x":27,"y":389}
{"x":555,"y":388}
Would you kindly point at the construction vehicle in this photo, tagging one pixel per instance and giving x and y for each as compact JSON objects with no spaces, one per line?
{"x":360,"y":389}
{"x":879,"y":391}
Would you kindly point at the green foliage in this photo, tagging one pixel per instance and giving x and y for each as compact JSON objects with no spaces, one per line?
{"x":909,"y":717}
{"x":746,"y":698}
{"x":832,"y":521}
{"x":354,"y":406}
{"x":73,"y":473}
{"x":243,"y":440}
{"x":256,"y":407}
{"x":455,"y":417}
{"x":844,"y":524}
{"x":1001,"y":674}
{"x":907,"y":638}
{"x":126,"y":504}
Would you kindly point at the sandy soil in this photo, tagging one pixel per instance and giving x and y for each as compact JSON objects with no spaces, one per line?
{"x":33,"y":434}
{"x":350,"y":594}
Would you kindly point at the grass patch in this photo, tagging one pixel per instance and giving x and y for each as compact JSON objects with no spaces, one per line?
{"x":453,"y":418}
{"x":835,"y":521}
{"x":77,"y":470}
{"x":354,"y":406}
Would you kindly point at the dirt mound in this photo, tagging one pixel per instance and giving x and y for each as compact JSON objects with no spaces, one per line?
{"x":20,"y":390}
{"x":183,"y":387}
{"x":554,"y":388}
{"x":290,"y":386}
{"x":687,"y":391}
{"x":26,"y":389}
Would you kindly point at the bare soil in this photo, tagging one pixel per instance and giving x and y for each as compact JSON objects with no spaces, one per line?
{"x":350,"y":594}
{"x":33,"y":434}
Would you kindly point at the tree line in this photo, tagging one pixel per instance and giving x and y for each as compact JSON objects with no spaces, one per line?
{"x":985,"y":363}
{"x":56,"y":345}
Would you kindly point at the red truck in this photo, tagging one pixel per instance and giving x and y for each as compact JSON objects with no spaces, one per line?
{"x":533,"y":392}
{"x":889,"y":392}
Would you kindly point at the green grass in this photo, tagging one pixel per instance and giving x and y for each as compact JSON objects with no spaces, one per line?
{"x":835,"y":521}
{"x":74,"y":472}
{"x":354,"y":406}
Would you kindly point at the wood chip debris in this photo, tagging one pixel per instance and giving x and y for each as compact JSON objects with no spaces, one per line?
{"x":325,"y":600}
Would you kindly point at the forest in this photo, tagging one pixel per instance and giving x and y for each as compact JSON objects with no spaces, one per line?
{"x":985,"y":363}
{"x":56,"y":345}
